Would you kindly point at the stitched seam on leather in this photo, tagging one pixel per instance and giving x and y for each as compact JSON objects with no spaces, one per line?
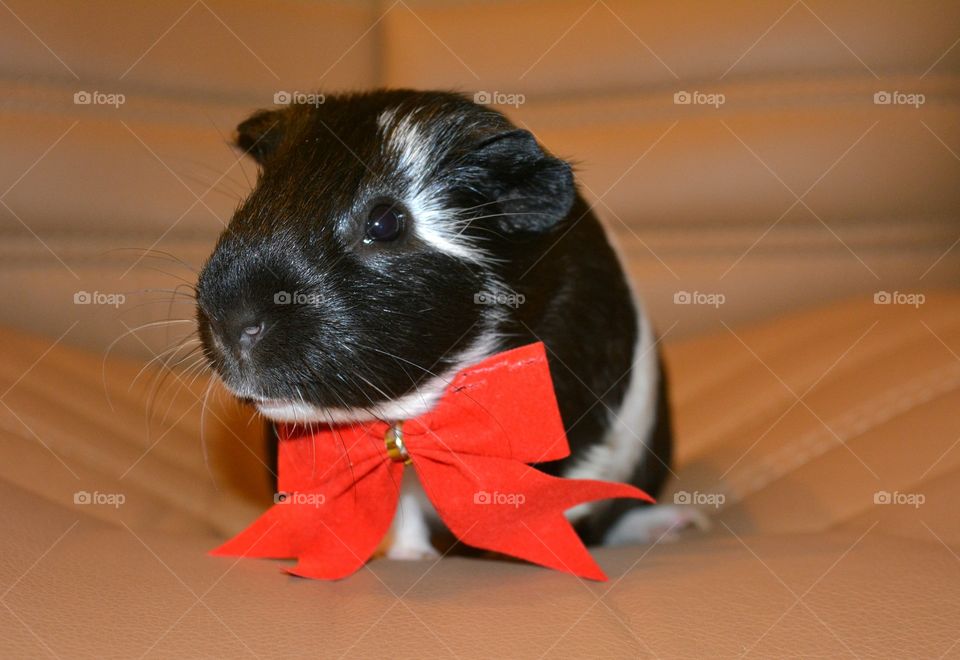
{"x":860,"y":420}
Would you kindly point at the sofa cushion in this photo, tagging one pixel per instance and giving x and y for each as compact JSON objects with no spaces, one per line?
{"x":823,"y":445}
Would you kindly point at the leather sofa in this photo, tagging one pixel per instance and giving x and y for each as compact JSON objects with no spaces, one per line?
{"x":817,"y":423}
{"x":700,"y":197}
{"x":822,"y":446}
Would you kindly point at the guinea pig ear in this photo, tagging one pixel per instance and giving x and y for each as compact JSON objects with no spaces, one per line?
{"x":535,"y":190}
{"x":260,"y":135}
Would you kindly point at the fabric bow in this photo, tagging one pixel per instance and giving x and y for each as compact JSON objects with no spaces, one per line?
{"x":339,"y":485}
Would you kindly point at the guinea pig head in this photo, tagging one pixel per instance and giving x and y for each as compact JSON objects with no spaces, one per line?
{"x":349,"y":284}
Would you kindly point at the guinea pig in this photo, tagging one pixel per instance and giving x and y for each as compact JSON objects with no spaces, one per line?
{"x":396,"y":237}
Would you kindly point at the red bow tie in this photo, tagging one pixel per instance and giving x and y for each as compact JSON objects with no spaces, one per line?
{"x":341,"y":484}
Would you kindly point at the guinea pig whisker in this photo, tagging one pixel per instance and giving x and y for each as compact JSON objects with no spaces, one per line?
{"x":413,"y":383}
{"x":226,"y":144}
{"x":212,"y":186}
{"x":167,"y":370}
{"x":156,"y":324}
{"x":412,"y":364}
{"x":336,"y":433}
{"x":200,"y":365}
{"x":467,"y":210}
{"x":373,"y":404}
{"x":447,"y":381}
{"x":167,"y":273}
{"x":468,"y":223}
{"x":237,"y":190}
{"x":180,"y":382}
{"x":172,"y":292}
{"x":167,"y":354}
{"x":172,"y":298}
{"x":498,"y":215}
{"x":163,"y":356}
{"x":172,"y":357}
{"x":193,"y":372}
{"x":154,"y":253}
{"x":478,"y":206}
{"x":313,"y":437}
{"x":130,"y":331}
{"x":169,"y":302}
{"x":203,"y":426}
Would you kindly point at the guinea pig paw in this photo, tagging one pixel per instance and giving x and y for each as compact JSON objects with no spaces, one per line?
{"x":656,"y":524}
{"x":416,"y":552}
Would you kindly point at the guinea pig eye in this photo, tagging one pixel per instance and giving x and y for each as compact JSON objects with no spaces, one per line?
{"x":384,"y":223}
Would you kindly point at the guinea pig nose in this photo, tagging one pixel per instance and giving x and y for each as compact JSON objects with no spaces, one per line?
{"x":250,"y":335}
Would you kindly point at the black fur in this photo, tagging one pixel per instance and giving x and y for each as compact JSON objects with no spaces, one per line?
{"x":382,"y":318}
{"x":648,"y":474}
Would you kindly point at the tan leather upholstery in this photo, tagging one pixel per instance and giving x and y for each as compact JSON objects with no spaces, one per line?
{"x":701,"y":198}
{"x":792,"y":433}
{"x":804,"y":558}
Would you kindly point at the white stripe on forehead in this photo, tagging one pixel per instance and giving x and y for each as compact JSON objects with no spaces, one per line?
{"x":410,"y":145}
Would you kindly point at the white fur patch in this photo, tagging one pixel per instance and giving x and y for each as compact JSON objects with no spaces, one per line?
{"x":433,"y":223}
{"x":652,"y":524}
{"x":410,"y":533}
{"x":408,"y":144}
